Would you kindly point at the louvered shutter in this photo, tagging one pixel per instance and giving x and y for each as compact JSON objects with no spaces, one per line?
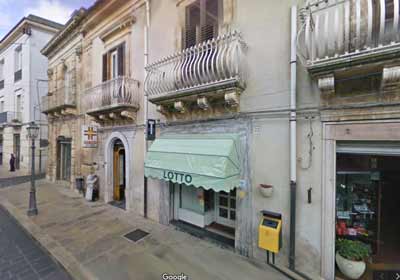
{"x":104,"y":67}
{"x":121,"y":60}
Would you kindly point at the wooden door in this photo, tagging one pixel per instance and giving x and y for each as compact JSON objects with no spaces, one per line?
{"x":119,"y":172}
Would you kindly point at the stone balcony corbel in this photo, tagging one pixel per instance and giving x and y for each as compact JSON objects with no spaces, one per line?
{"x":232,"y":98}
{"x":203,"y":103}
{"x":180,"y":106}
{"x":326,"y":84}
{"x":128,"y":115}
{"x":390,"y":77}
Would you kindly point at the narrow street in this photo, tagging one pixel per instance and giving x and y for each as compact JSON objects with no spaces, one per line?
{"x":87,"y":238}
{"x":21,"y":257}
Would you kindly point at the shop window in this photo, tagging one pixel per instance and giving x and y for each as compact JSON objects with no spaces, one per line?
{"x":202,"y":21}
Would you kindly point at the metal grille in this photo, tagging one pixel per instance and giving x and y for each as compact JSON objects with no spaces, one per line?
{"x":136,"y":235}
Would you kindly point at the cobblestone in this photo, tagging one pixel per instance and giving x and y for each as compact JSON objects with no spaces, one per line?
{"x":21,"y":258}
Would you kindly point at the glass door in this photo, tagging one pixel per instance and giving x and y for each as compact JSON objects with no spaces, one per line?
{"x":226,"y":208}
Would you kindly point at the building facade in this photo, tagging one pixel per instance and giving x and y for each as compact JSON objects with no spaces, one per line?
{"x":235,"y":111}
{"x":22,"y":82}
{"x":62,"y":103}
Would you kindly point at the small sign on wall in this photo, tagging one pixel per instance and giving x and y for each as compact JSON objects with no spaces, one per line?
{"x":89,"y":136}
{"x":151,"y":130}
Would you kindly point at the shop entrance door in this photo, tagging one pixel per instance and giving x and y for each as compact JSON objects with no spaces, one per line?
{"x":17,"y":150}
{"x":119,"y":171}
{"x":226,"y":208}
{"x":367,"y":206}
{"x":64,"y":159}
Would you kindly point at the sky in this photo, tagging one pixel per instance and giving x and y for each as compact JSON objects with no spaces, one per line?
{"x":11,"y":11}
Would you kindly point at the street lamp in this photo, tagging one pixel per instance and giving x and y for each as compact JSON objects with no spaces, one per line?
{"x":33,"y":132}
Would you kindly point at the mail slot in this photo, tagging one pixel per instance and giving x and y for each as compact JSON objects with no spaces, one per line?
{"x":270,"y":231}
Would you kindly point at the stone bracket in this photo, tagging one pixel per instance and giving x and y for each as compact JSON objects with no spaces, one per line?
{"x":326,"y":84}
{"x":390,"y":77}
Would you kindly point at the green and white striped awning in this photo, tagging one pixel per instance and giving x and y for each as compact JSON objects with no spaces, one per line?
{"x":210,"y":161}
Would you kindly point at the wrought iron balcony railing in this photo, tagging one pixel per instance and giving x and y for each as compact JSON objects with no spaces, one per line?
{"x":59,"y":99}
{"x":112,"y":96}
{"x":216,"y":63}
{"x":10,"y":117}
{"x":334,"y":29}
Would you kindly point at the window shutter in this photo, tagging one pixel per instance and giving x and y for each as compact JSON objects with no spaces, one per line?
{"x":121,"y":60}
{"x":104,"y":67}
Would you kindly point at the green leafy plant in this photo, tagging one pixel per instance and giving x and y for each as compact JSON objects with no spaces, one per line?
{"x":353,"y":250}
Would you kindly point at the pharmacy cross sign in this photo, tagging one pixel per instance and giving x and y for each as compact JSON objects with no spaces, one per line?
{"x":89,"y":135}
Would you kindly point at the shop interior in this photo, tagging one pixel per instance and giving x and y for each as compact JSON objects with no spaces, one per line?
{"x":368,"y":206}
{"x":209,"y":213}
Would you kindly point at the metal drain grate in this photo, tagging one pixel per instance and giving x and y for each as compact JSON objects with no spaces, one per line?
{"x":136,"y":235}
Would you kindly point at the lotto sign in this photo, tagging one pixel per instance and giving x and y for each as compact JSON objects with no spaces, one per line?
{"x":89,"y":136}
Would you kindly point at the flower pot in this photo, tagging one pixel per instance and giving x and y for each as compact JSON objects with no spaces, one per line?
{"x":266,"y":190}
{"x":351,"y":269}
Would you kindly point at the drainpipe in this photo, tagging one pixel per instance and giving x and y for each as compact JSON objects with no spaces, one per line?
{"x":145,"y":101}
{"x":293,"y":127}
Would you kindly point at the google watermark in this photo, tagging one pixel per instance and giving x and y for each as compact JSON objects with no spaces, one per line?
{"x":168,"y":276}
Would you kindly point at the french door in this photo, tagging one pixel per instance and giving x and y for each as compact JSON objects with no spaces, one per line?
{"x":226,"y":208}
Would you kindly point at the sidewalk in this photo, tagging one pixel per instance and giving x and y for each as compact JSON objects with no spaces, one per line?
{"x":86,"y":238}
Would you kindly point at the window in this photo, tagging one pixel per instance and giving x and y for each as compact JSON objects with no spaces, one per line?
{"x":1,"y":106}
{"x":202,"y":20}
{"x":2,"y":74}
{"x":114,"y":63}
{"x":18,"y":64}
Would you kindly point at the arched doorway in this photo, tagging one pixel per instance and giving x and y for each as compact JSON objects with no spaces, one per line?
{"x":119,"y":173}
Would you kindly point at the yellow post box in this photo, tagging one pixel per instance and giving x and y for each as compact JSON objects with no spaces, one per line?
{"x":270,"y":231}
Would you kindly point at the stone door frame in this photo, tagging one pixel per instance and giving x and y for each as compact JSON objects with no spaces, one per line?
{"x":382,"y":130}
{"x":108,"y":168}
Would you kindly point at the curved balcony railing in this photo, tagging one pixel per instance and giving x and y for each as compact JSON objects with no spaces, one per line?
{"x":333,"y":29}
{"x":113,"y":95}
{"x":215,"y":63}
{"x":59,"y":99}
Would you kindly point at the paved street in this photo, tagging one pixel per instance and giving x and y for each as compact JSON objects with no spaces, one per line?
{"x":87,"y":238}
{"x":20,"y":256}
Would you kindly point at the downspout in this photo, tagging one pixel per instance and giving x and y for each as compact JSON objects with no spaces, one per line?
{"x":145,"y":100}
{"x":293,"y":128}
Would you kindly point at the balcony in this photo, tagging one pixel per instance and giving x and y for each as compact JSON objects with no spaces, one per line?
{"x":10,"y":118}
{"x":60,"y":101}
{"x":116,"y":99}
{"x":339,"y":34}
{"x":207,"y":69}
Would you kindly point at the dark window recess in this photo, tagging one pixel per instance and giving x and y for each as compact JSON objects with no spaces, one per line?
{"x":44,"y":143}
{"x":107,"y":62}
{"x":202,"y":20}
{"x":223,"y":201}
{"x":233,"y":215}
{"x":1,"y":84}
{"x":17,"y":76}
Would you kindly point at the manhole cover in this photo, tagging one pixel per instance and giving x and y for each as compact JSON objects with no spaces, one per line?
{"x":136,"y":235}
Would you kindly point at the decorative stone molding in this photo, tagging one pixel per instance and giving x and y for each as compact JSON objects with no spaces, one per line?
{"x":232,"y":98}
{"x":327,"y":84}
{"x":202,"y":102}
{"x":180,"y":106}
{"x":128,"y":115}
{"x":390,"y":77}
{"x":161,"y":109}
{"x":50,"y":72}
{"x":124,"y":23}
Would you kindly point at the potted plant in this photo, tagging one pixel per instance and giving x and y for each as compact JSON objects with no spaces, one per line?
{"x":266,"y":190}
{"x":351,"y":256}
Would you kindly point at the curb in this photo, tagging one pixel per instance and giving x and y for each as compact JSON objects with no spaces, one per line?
{"x":56,"y":251}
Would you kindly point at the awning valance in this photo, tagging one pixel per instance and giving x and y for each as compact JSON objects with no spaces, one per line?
{"x":201,"y":160}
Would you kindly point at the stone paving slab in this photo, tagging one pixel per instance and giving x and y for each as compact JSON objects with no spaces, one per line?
{"x":87,"y":238}
{"x":21,"y":258}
